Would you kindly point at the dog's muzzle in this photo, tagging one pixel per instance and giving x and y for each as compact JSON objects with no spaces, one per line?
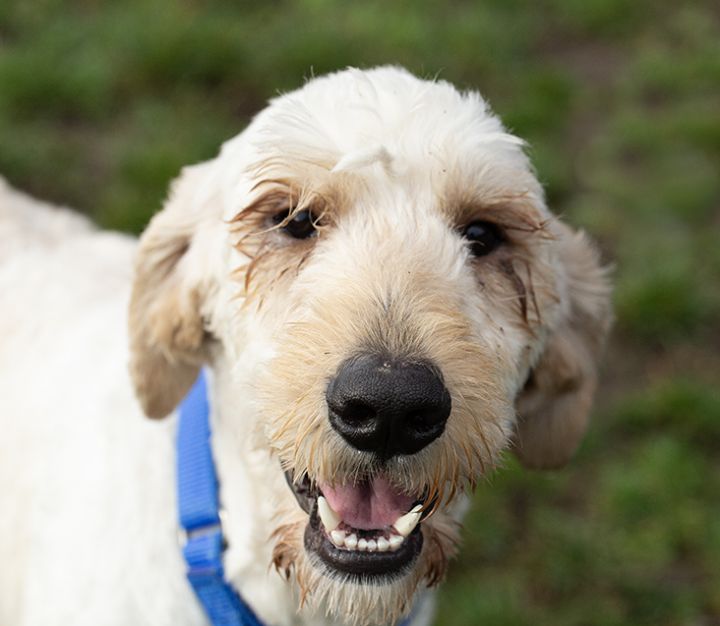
{"x":370,"y":528}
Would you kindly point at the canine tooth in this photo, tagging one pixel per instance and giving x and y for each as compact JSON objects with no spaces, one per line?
{"x":328,"y":517}
{"x":383,"y":544}
{"x":395,"y":542}
{"x":338,"y":537}
{"x":362,"y":545}
{"x":405,"y":524}
{"x":372,"y":545}
{"x":351,"y":541}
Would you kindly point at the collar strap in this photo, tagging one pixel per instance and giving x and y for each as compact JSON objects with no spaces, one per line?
{"x":199,"y":512}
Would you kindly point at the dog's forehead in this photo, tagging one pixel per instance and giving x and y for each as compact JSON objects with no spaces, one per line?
{"x":424,"y":135}
{"x":351,"y":110}
{"x":413,"y":119}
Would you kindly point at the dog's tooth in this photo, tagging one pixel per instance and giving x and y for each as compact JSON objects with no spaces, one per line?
{"x":383,"y":545}
{"x":371,"y":545}
{"x":406,"y":524}
{"x":351,"y":541}
{"x":362,"y":545}
{"x":338,"y":537}
{"x":328,"y":517}
{"x":395,"y":542}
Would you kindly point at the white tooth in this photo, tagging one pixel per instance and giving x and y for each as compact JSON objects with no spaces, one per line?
{"x":405,"y":524}
{"x":328,"y":517}
{"x":351,"y":542}
{"x":362,"y":545}
{"x":372,"y":545}
{"x":383,"y":544}
{"x":338,"y":537}
{"x":395,"y":542}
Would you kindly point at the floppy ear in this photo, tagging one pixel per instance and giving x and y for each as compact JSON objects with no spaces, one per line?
{"x":167,"y":331}
{"x":554,"y":406}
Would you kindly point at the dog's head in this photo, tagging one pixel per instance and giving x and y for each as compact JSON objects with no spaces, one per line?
{"x":374,"y":257}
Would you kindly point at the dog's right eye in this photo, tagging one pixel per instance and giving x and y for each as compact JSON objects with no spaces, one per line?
{"x":300,"y":226}
{"x":484,"y":237}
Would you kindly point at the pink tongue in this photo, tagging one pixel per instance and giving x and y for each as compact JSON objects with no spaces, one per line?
{"x":369,"y":505}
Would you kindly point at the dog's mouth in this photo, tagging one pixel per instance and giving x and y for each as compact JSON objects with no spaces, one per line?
{"x":368,"y":529}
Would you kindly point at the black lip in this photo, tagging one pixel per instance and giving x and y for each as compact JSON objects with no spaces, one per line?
{"x":362,"y":566}
{"x":304,"y":492}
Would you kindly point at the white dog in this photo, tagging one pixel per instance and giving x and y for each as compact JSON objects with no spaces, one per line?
{"x":383,"y":303}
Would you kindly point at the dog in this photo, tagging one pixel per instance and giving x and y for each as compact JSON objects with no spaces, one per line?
{"x":383,"y":304}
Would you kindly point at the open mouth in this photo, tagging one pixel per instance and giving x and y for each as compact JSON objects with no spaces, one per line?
{"x":367,"y":530}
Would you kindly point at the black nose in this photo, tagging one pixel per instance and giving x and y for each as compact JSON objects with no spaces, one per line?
{"x":388,"y":406}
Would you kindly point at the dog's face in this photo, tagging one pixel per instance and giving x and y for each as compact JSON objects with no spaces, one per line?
{"x":413,"y":309}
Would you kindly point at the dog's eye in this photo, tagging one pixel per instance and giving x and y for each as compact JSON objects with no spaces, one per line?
{"x":484,"y":237}
{"x":300,"y":226}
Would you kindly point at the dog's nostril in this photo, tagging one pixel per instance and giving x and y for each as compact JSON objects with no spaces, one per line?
{"x":357,"y":411}
{"x":388,"y":407}
{"x":423,"y":422}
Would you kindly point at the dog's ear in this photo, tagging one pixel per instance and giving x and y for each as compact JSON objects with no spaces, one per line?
{"x":166,"y":323}
{"x":554,"y":406}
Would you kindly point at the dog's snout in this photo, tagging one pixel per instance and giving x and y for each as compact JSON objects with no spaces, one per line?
{"x":388,"y":406}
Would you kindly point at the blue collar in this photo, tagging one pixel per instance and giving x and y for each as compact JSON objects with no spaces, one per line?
{"x":199,"y":512}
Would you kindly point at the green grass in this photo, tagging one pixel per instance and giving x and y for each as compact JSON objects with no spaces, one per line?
{"x":101,"y":104}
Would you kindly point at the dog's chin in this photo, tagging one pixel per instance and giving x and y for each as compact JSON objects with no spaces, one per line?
{"x":361,"y":587}
{"x":355,"y":600}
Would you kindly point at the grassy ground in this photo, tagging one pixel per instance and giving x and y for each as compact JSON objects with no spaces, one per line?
{"x":101,"y":103}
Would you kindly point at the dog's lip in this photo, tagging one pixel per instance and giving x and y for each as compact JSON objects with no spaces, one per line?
{"x":362,"y":566}
{"x":304,"y":491}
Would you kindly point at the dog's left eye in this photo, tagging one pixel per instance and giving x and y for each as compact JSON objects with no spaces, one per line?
{"x":484,"y":237}
{"x":300,"y":226}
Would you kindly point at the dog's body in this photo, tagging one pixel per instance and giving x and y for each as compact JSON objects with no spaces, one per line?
{"x":89,"y":530}
{"x":391,"y":170}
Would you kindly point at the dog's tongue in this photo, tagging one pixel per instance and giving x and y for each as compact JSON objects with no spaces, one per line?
{"x":369,"y":505}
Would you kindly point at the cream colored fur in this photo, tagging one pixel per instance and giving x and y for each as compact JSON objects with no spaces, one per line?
{"x":393,"y":168}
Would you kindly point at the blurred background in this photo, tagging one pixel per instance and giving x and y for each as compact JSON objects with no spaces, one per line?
{"x":101,"y":103}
